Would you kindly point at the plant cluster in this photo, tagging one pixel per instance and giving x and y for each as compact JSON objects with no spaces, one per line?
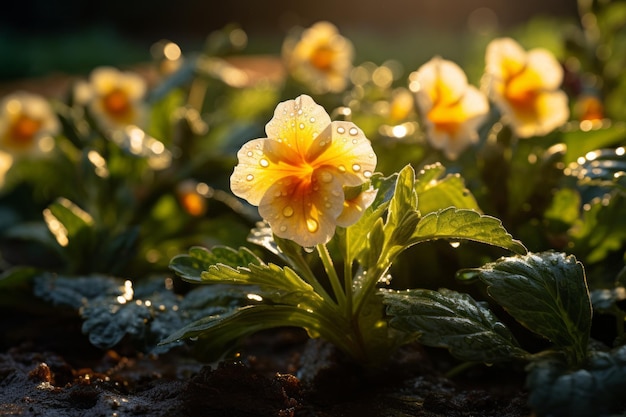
{"x":393,"y":208}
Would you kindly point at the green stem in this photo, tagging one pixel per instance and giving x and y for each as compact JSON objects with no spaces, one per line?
{"x":327,"y":261}
{"x":305,"y":270}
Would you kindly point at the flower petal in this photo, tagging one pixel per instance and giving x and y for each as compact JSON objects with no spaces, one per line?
{"x":262,"y":162}
{"x":297,"y":123}
{"x":353,"y":209}
{"x":344,"y":147}
{"x":304,"y":209}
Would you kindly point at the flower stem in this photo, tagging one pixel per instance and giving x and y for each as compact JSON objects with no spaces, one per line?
{"x":332,"y":274}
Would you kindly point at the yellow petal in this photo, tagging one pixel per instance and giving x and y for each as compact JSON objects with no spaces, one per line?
{"x":297,"y":123}
{"x":344,"y":147}
{"x":304,"y":209}
{"x":262,"y":163}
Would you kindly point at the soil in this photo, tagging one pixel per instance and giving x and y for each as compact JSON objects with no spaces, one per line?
{"x":48,"y":368}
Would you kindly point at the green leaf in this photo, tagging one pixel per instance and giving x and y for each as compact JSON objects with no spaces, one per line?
{"x":218,"y":331}
{"x":597,"y":389}
{"x":359,"y":235}
{"x":462,"y":224}
{"x":404,"y":198}
{"x":191,"y":266}
{"x":452,"y":320}
{"x":280,"y":285}
{"x":68,"y":223}
{"x":547,"y":293}
{"x":580,"y":142}
{"x":435,"y":193}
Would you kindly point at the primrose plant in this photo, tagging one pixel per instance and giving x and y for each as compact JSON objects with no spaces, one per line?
{"x":336,"y":227}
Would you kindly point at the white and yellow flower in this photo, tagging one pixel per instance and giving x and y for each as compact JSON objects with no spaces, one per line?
{"x":525,"y":85}
{"x":321,"y":58}
{"x":27,"y":124}
{"x":451,"y":109}
{"x":296,"y":176}
{"x":114,"y":97}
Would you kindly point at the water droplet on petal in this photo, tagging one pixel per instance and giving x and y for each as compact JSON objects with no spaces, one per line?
{"x":250,"y":154}
{"x":341,"y":130}
{"x":312,"y":225}
{"x":283,"y":228}
{"x":356,"y":167}
{"x":367,"y":174}
{"x":322,"y":143}
{"x":288,"y":211}
{"x":341,"y":168}
{"x":326,"y":176}
{"x":299,"y":112}
{"x":264,"y":163}
{"x":312,"y":120}
{"x":249,"y":177}
{"x":301,"y":125}
{"x":353,"y":131}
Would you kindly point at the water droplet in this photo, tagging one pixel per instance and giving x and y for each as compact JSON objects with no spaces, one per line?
{"x":264,"y":163}
{"x":291,"y":114}
{"x":341,"y":130}
{"x":249,"y":177}
{"x":301,"y":125}
{"x":299,"y":112}
{"x":288,"y":211}
{"x":353,"y":131}
{"x":283,"y":228}
{"x":327,"y":205}
{"x":355,"y":141}
{"x":326,"y":176}
{"x":250,"y":154}
{"x":341,"y":168}
{"x":455,"y":244}
{"x":322,"y":143}
{"x":356,"y":167}
{"x":367,"y":174}
{"x":312,"y":225}
{"x":312,"y":120}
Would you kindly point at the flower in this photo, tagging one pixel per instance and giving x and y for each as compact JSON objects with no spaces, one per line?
{"x":452,"y":110}
{"x":525,"y":87}
{"x":114,"y":97}
{"x":321,"y":58}
{"x":296,"y":176}
{"x":27,"y":124}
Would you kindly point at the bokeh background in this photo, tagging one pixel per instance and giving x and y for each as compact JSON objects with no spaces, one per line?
{"x":41,"y":37}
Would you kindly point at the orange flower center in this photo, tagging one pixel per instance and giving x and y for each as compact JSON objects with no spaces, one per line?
{"x":322,"y":58}
{"x":23,"y":130}
{"x":116,"y":103}
{"x":522,"y":87}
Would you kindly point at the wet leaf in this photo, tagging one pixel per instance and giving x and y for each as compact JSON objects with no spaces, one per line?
{"x":593,"y":390}
{"x":436,"y":193}
{"x":461,"y":224}
{"x":452,"y":320}
{"x":547,"y":293}
{"x":191,"y":266}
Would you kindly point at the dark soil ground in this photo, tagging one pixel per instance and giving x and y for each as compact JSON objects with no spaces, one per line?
{"x":48,"y":368}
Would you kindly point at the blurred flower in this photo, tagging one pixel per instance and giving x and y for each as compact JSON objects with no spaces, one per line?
{"x":298,"y":173}
{"x":114,"y":97}
{"x":525,"y":87}
{"x":27,"y":124}
{"x":451,"y":109}
{"x":321,"y":58}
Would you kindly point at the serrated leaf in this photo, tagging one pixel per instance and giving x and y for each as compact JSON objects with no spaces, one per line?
{"x":435,"y":193}
{"x":547,"y":293}
{"x":280,"y":285}
{"x":597,"y":389}
{"x":452,"y":320}
{"x":462,"y":224}
{"x":191,"y":266}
